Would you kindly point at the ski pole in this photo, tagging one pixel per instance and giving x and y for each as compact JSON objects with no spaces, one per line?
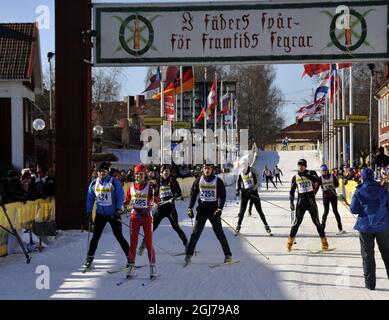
{"x":191,"y":219}
{"x":244,"y":238}
{"x":15,"y":233}
{"x":276,"y":205}
{"x":87,"y":244}
{"x":159,"y":247}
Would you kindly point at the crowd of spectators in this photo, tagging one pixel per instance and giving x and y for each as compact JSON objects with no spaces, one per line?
{"x":28,"y":184}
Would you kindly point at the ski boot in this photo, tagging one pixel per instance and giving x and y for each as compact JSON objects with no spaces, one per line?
{"x":268,"y":230}
{"x":289,"y":244}
{"x":142,"y":248}
{"x":187,"y":260}
{"x":341,"y":231}
{"x":131,"y":270}
{"x":227,"y":258}
{"x":324,"y":244}
{"x":89,"y":261}
{"x":153,"y":271}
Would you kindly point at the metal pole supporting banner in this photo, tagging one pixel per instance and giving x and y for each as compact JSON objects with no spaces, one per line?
{"x":351,"y":112}
{"x":344,"y":159}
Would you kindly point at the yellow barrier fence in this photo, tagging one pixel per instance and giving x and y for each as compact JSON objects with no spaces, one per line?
{"x":23,"y":215}
{"x":347,"y":189}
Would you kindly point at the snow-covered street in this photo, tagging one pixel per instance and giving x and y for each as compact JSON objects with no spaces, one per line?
{"x":295,"y":275}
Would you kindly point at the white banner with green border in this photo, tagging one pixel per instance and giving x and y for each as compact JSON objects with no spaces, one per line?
{"x":239,"y":32}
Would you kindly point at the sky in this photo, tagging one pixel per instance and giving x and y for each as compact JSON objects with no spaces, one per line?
{"x":296,"y":90}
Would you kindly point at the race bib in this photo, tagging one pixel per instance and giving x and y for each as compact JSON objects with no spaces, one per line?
{"x":208,"y":190}
{"x":304,"y":185}
{"x":103,"y":193}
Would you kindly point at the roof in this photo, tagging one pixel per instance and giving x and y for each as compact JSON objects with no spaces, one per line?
{"x":303,"y":126}
{"x":16,"y":49}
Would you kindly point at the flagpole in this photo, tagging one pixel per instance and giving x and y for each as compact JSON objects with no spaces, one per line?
{"x":350,"y":113}
{"x":205,"y":113}
{"x":181,"y":97}
{"x":163,"y":79}
{"x":221,"y":138}
{"x":215,"y":121}
{"x":331,"y":111}
{"x":193,"y":112}
{"x":338,"y":117}
{"x":343,"y":117}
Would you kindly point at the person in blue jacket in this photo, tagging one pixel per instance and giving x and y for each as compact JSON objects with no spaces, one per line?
{"x":371,"y":203}
{"x":108,"y":193}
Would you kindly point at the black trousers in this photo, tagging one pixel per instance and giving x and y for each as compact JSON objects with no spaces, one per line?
{"x":99,"y":224}
{"x":269,"y":178}
{"x":367,"y":252}
{"x":168,"y":211}
{"x":304,"y":204}
{"x":279,"y":178}
{"x":334,"y":204}
{"x":254,"y":199}
{"x":204,"y":214}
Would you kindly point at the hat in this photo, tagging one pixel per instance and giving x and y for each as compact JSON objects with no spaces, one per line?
{"x":302,"y":162}
{"x":140,"y":168}
{"x":103,"y":166}
{"x":323,"y":167}
{"x":367,"y":174}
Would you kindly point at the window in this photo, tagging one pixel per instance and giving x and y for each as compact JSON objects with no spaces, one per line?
{"x":293,"y":148}
{"x":313,"y":147}
{"x":301,"y":147}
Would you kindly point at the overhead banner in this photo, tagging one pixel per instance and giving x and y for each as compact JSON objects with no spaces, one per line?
{"x":236,"y":32}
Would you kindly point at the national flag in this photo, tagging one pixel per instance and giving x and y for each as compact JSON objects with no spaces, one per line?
{"x":155,"y":81}
{"x":322,"y":87}
{"x":334,"y":81}
{"x":173,"y":87}
{"x":169,"y":108}
{"x":313,"y":107}
{"x":316,"y":69}
{"x":225,"y":105}
{"x":212,"y":99}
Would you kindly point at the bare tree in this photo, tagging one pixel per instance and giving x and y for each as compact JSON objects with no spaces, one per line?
{"x":259,"y":102}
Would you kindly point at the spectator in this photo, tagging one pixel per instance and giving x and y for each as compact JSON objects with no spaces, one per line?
{"x":28,"y":186}
{"x":371,"y":203}
{"x":48,"y":188}
{"x":381,"y":159}
{"x":13,"y":188}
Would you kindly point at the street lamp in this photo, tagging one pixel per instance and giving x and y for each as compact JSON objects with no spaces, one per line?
{"x":97,"y":135}
{"x":38,"y":125}
{"x":372,"y":72}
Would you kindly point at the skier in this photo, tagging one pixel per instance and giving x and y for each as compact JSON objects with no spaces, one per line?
{"x":266,"y":173}
{"x":304,"y":181}
{"x":169,"y":191}
{"x":277,"y":171}
{"x":248,"y":182}
{"x":328,"y":183}
{"x":108,"y":194}
{"x":141,"y":195}
{"x":212,"y":196}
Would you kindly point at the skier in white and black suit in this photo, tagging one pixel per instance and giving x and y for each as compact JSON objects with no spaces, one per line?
{"x":212,"y":196}
{"x":266,"y":173}
{"x":248,"y":183}
{"x":304,"y":182}
{"x":277,"y":171}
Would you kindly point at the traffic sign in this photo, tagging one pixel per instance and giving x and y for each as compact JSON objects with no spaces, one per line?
{"x":357,"y":119}
{"x":152,"y":121}
{"x":340,"y":123}
{"x":182,"y":125}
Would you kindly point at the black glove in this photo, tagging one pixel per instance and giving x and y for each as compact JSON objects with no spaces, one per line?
{"x":190,"y":213}
{"x":292,"y":207}
{"x":237,"y":193}
{"x":218,"y":213}
{"x":89,"y":217}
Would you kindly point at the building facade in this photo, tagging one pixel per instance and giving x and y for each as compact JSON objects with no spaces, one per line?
{"x":20,"y":81}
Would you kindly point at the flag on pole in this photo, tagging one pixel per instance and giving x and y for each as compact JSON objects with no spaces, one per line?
{"x":173,"y":87}
{"x":322,"y":87}
{"x":212,"y":99}
{"x":225,"y":105}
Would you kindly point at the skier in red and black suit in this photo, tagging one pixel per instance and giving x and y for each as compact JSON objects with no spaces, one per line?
{"x":141,"y":196}
{"x":212,"y":196}
{"x":169,"y":191}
